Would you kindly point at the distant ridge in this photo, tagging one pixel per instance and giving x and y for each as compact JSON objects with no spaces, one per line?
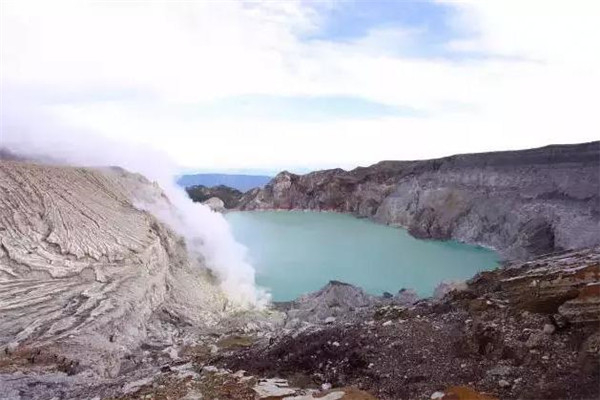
{"x":236,"y":181}
{"x":521,"y":203}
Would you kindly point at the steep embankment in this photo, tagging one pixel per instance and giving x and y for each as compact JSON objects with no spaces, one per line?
{"x":87,"y":277}
{"x":521,"y":203}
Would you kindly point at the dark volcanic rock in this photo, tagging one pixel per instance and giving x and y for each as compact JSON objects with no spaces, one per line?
{"x":521,"y":203}
{"x":334,"y":300}
{"x":513,"y":333}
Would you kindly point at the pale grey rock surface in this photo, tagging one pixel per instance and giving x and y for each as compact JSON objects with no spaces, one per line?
{"x":336,"y":299}
{"x":521,"y":203}
{"x":86,"y":275}
{"x":215,"y":204}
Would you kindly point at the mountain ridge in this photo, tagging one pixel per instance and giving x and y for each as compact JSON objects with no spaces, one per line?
{"x":241,"y":182}
{"x":522,"y":203}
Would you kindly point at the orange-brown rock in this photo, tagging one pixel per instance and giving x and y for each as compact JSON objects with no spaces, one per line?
{"x":567,"y":283}
{"x":465,"y":393}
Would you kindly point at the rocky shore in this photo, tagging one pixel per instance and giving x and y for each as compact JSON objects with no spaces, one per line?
{"x":521,"y":203}
{"x":100,"y":299}
{"x":529,"y":331}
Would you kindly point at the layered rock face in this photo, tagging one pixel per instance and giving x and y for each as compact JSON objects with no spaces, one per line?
{"x":87,"y":276}
{"x":521,"y":203}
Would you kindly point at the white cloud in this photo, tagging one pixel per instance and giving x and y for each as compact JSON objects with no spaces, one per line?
{"x":548,"y":31}
{"x":541,"y":86}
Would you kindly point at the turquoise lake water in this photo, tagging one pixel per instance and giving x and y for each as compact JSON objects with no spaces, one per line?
{"x":296,"y":252}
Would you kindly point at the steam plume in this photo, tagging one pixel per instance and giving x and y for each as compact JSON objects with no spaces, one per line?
{"x":30,"y":132}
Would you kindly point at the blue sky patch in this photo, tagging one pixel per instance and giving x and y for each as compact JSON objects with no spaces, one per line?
{"x":351,"y":20}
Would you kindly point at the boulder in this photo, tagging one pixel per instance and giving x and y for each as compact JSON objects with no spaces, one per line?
{"x":336,"y":299}
{"x":445,"y":287}
{"x":406,"y":297}
{"x":215,"y":204}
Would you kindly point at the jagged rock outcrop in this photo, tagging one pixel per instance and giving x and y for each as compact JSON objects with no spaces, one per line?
{"x":406,"y":296}
{"x":565,"y":285}
{"x":521,"y":203}
{"x":86,"y":277}
{"x":445,"y":287}
{"x":333,"y":300}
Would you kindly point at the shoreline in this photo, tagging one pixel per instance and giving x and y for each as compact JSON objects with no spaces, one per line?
{"x":503,"y":260}
{"x":408,"y":284}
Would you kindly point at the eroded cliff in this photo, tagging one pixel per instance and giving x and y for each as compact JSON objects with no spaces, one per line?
{"x":521,"y":203}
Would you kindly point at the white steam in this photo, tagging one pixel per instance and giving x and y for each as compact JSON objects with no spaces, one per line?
{"x":208,"y":234}
{"x":30,"y":132}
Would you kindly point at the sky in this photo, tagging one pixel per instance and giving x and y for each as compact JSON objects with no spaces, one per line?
{"x":299,"y":85}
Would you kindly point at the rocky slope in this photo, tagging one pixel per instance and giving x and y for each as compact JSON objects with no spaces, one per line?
{"x":527,"y":331}
{"x":101,"y":300}
{"x":86,"y":277}
{"x":521,"y":203}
